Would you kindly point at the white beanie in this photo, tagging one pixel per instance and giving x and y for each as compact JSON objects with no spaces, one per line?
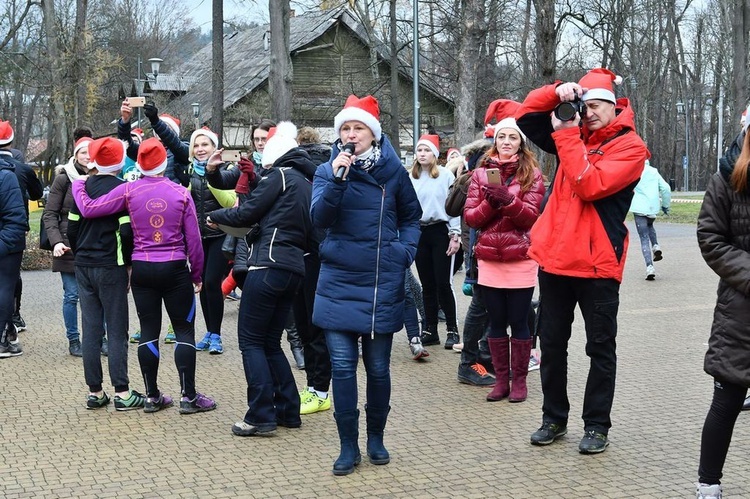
{"x":281,"y":139}
{"x":206,"y":133}
{"x":509,"y":123}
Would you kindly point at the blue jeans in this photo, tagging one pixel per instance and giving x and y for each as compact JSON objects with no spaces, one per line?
{"x":272,"y":396}
{"x":70,"y":305}
{"x":376,"y":355}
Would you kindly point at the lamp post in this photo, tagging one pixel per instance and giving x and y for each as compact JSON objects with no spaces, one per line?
{"x":682,"y":108}
{"x":196,"y":114}
{"x":140,"y":82}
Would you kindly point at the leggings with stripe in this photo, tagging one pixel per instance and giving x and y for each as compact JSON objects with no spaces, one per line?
{"x":154,"y":283}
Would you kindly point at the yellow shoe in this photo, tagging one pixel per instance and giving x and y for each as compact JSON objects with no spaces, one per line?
{"x":315,"y":404}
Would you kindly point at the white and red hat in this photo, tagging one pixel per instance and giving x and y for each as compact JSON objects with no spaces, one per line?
{"x":431,"y":141}
{"x":508,"y":123}
{"x":205,"y":131}
{"x":6,"y":133}
{"x":107,"y":154}
{"x":174,"y":123}
{"x":138,"y":133}
{"x":599,"y":82}
{"x":452,"y":151}
{"x":281,"y":139}
{"x":152,"y":157}
{"x":81,"y":143}
{"x":365,"y":110}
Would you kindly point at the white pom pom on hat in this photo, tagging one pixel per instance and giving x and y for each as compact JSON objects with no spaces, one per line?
{"x":281,"y":139}
{"x":599,"y":82}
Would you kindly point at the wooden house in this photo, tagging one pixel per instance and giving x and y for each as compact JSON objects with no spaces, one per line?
{"x":330,"y":53}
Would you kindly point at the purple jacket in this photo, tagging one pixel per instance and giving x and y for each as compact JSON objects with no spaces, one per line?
{"x":162,"y":215}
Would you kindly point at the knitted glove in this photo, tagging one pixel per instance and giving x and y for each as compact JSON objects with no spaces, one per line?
{"x":151,"y":112}
{"x":498,"y":195}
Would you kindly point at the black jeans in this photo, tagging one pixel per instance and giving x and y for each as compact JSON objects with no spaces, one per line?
{"x":508,"y":307}
{"x":599,"y":300}
{"x":717,"y":430}
{"x":264,"y":309}
{"x":317,"y":360}
{"x":474,"y":325}
{"x":214,"y":271}
{"x":434,"y":269}
{"x":153,"y":283}
{"x":10,"y":270}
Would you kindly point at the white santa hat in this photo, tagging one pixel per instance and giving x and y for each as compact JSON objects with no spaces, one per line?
{"x":152,"y":157}
{"x":431,"y":141}
{"x":206,"y":132}
{"x":599,"y":83}
{"x":508,"y":123}
{"x":6,"y":133}
{"x":281,"y":139}
{"x":364,"y":110}
{"x":107,"y":154}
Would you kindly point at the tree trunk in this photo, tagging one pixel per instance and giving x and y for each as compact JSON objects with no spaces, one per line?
{"x":280,"y":76}
{"x":395,"y":94}
{"x":468,"y":62}
{"x":217,"y":69}
{"x":740,"y":27}
{"x":57,"y":135}
{"x":546,"y":39}
{"x":78,"y":67}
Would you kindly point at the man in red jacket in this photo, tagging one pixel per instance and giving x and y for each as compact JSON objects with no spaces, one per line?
{"x":580,"y":241}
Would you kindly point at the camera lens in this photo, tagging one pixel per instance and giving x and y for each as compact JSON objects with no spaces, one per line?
{"x":566,"y":111}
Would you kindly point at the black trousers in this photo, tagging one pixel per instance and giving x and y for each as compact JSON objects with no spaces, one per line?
{"x":10,"y":270}
{"x":718,"y":428}
{"x":214,"y":270}
{"x":168,"y":282}
{"x":317,"y":360}
{"x":434,"y":269}
{"x":599,"y":300}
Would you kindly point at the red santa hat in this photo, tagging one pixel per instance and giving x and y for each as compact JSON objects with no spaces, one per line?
{"x":281,"y":139}
{"x":107,"y":154}
{"x":365,"y":110}
{"x":599,"y":82}
{"x":451,"y":152}
{"x":138,"y":133}
{"x":173,"y":122}
{"x":6,"y":133}
{"x":205,"y":131}
{"x":431,"y":141}
{"x":500,"y":109}
{"x":81,"y":143}
{"x":152,"y":157}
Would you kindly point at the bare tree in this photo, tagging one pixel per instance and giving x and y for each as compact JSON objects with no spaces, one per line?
{"x":217,"y":68}
{"x":394,"y":133}
{"x":472,"y":30}
{"x":280,"y":75}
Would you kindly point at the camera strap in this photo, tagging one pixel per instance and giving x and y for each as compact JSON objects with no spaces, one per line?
{"x":598,"y":149}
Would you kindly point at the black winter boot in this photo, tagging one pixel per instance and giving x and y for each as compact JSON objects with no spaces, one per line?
{"x":376,"y":418}
{"x":350,"y":456}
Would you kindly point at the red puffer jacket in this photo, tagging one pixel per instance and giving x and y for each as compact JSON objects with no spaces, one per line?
{"x":504,"y":232}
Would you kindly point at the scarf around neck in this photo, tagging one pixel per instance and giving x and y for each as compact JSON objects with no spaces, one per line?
{"x":199,"y":167}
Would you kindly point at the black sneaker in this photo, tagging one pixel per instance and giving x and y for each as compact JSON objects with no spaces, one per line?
{"x":476,"y":375}
{"x":19,"y":322}
{"x":94,"y":402}
{"x":75,"y":348}
{"x":429,"y":338}
{"x":593,"y":442}
{"x":243,"y":429}
{"x":451,"y":338}
{"x":105,"y":347}
{"x":10,"y":346}
{"x":548,"y":433}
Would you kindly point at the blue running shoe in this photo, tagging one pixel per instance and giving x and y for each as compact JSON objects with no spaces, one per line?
{"x":204,"y":343}
{"x":215,"y":347}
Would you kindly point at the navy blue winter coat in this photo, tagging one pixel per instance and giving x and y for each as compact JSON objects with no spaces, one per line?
{"x":371,"y":223}
{"x":12,"y":212}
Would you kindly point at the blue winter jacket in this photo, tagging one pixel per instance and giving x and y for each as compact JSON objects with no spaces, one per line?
{"x":371,"y":223}
{"x":12,"y":212}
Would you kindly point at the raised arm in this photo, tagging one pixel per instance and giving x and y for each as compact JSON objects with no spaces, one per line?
{"x":110,"y":203}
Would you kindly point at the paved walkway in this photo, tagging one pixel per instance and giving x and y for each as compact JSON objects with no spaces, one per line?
{"x":444,"y":439}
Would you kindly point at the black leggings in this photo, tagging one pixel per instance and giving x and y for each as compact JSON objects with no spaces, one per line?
{"x":214,"y":270}
{"x":168,"y":282}
{"x":717,"y":430}
{"x":434,"y":269}
{"x":508,"y":307}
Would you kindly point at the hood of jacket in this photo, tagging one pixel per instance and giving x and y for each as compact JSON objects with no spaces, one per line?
{"x":298,"y":159}
{"x":319,"y":153}
{"x":624,"y":119}
{"x":726,"y":163}
{"x":70,"y":170}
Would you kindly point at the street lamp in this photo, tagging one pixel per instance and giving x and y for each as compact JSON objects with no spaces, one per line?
{"x":682,"y":108}
{"x":140,"y":82}
{"x":196,"y":114}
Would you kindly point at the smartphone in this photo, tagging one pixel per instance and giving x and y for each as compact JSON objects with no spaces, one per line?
{"x":137,"y":101}
{"x":493,"y":176}
{"x":230,"y":156}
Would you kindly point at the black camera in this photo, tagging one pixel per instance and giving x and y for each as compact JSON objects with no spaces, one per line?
{"x":566,"y":111}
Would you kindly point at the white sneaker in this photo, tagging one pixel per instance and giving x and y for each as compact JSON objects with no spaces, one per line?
{"x":534,"y":362}
{"x":650,"y":273}
{"x":417,"y":349}
{"x":458,"y":347}
{"x":657,"y":252}
{"x":704,"y":491}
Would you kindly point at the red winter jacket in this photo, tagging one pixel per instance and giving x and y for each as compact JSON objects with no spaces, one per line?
{"x":504,"y":232}
{"x":581,"y":232}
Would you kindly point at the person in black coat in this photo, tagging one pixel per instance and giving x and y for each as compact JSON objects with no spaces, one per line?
{"x":280,"y":208}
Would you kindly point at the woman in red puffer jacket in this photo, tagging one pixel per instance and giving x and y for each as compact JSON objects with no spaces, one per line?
{"x":503,"y":203}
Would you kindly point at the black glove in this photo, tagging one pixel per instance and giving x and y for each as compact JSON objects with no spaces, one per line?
{"x":497,"y":195}
{"x":152,"y":113}
{"x":665,"y":209}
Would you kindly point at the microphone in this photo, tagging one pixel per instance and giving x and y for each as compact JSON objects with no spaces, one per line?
{"x":349,"y":147}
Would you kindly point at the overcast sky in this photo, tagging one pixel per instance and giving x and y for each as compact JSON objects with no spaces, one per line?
{"x":251,"y":10}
